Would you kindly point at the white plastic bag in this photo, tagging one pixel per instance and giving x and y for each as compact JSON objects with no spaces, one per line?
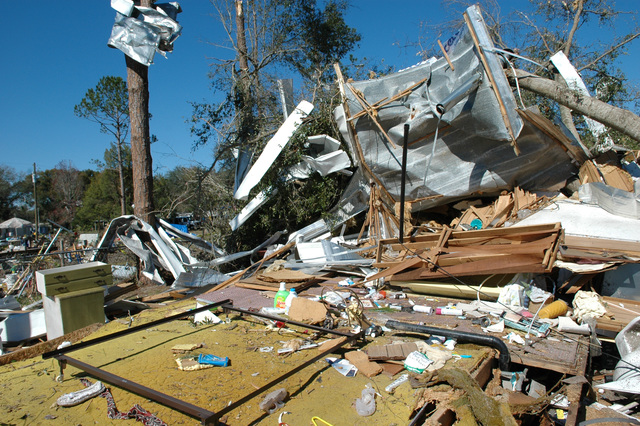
{"x":366,"y":404}
{"x":512,"y":295}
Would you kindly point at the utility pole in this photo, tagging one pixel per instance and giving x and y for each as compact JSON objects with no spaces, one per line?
{"x":138,"y":85}
{"x":35,"y":200}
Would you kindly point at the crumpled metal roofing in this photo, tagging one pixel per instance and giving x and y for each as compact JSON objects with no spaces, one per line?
{"x":474,"y":153}
{"x":146,"y":31}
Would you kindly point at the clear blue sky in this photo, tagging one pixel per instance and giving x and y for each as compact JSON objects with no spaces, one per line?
{"x":54,"y":51}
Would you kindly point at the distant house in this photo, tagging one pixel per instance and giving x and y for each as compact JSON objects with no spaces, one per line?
{"x":16,"y":228}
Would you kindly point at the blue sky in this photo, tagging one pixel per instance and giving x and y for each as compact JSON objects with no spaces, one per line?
{"x":54,"y":51}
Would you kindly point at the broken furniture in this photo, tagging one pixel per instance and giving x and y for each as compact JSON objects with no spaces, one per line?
{"x":20,"y":326}
{"x":73,"y":296}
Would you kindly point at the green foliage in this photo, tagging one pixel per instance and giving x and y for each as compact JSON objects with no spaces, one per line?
{"x":322,"y":37}
{"x":23,"y":196}
{"x":108,"y":105}
{"x":295,"y":203}
{"x":60,"y":192}
{"x":101,"y":201}
{"x":206,"y":118}
{"x":174,"y":192}
{"x":8,"y":195}
{"x":110,"y":158}
{"x":303,"y":37}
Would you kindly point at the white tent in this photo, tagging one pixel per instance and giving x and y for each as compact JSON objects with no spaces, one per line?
{"x":16,"y":228}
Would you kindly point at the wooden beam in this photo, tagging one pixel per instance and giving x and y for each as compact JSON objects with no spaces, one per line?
{"x":353,"y":134}
{"x":370,"y":112}
{"x":394,"y":98}
{"x":446,"y":55}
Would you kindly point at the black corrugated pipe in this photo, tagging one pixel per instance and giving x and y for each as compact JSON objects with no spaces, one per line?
{"x":461,"y":336}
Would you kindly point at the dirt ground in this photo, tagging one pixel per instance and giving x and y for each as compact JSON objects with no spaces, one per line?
{"x":28,"y":389}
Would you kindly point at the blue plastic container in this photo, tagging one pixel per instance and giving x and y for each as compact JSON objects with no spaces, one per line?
{"x":213,"y":360}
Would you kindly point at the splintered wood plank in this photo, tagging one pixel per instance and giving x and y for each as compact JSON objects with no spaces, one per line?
{"x":502,"y":209}
{"x":255,"y":284}
{"x":589,"y":173}
{"x":406,"y":264}
{"x":485,"y":236}
{"x":620,"y":312}
{"x":567,"y":357}
{"x":616,"y":177}
{"x":255,"y":266}
{"x":503,"y":265}
{"x":574,"y":394}
{"x":391,"y":352}
{"x":538,"y":246}
{"x":575,"y":283}
{"x":488,"y":244}
{"x":541,"y":228}
{"x":631,"y":248}
{"x":442,"y":242}
{"x":174,"y":294}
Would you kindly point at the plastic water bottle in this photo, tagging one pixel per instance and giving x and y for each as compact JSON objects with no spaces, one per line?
{"x":287,"y":303}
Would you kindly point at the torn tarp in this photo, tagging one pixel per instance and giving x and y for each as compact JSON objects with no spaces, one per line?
{"x":462,"y":149}
{"x":145,"y":31}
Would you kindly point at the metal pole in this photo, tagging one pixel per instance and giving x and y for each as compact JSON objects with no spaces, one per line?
{"x":184,"y":407}
{"x":35,"y":200}
{"x":405,"y":148}
{"x":55,"y":353}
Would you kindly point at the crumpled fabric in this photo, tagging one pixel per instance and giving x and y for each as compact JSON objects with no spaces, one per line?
{"x":512,"y":295}
{"x":588,"y":304}
{"x":436,"y":353}
{"x":538,"y":295}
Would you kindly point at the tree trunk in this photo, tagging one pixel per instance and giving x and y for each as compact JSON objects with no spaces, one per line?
{"x":242,"y":39}
{"x":138,"y":84}
{"x":123,"y":205}
{"x":565,"y":113}
{"x":243,"y":102}
{"x":611,"y":116}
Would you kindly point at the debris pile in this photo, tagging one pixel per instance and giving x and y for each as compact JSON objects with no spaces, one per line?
{"x":493,"y":279}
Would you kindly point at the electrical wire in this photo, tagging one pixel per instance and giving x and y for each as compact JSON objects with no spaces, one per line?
{"x":517,"y":83}
{"x":515,"y":55}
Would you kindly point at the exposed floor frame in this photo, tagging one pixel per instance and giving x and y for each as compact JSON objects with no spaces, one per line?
{"x":206,"y":417}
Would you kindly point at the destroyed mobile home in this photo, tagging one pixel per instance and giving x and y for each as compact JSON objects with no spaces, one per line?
{"x":523,"y":309}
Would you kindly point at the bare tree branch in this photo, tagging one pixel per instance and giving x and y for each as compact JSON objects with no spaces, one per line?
{"x":609,"y":51}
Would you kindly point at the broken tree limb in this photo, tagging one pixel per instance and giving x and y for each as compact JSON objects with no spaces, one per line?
{"x":611,"y":116}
